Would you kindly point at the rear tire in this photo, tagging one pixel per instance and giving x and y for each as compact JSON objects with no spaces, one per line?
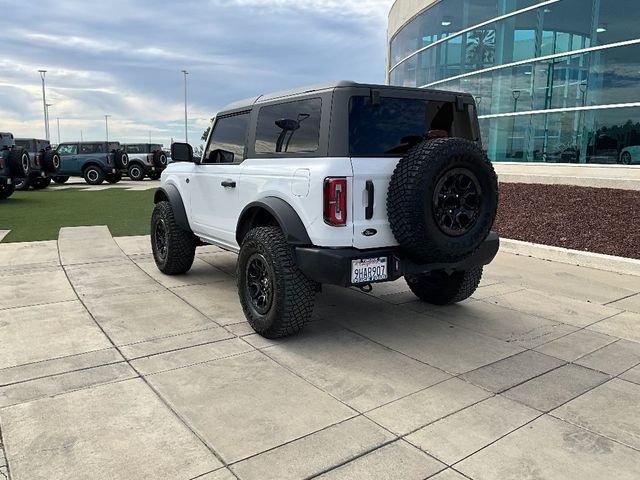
{"x":174,"y":249}
{"x":154,"y":175}
{"x":19,"y":163}
{"x":60,"y":179}
{"x":136,"y":172}
{"x":93,"y":175}
{"x":6,"y":190}
{"x":40,"y":183}
{"x":276,"y":297}
{"x":439,"y":288}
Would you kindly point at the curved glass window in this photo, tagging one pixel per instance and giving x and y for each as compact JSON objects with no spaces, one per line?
{"x":567,"y":56}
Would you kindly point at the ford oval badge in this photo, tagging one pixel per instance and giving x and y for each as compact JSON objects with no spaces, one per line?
{"x":369,"y":232}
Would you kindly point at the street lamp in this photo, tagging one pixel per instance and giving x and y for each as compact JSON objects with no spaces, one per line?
{"x":106,"y":126}
{"x":58,"y":122}
{"x":44,"y":105}
{"x":516,"y":96}
{"x":186,"y":135}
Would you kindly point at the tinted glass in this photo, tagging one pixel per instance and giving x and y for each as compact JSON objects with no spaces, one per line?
{"x":155,"y":147}
{"x":379,"y":129}
{"x":92,"y":148}
{"x":26,"y":144}
{"x":68,"y":149}
{"x":292,"y":127}
{"x":229,"y":135}
{"x":135,"y":149}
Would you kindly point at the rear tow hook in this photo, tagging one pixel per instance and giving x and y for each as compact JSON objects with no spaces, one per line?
{"x":366,"y":288}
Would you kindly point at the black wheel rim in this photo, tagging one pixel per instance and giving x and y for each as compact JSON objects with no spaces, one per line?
{"x":92,"y":175}
{"x":626,"y":158}
{"x":259,"y":283}
{"x":161,"y":238}
{"x":456,"y":202}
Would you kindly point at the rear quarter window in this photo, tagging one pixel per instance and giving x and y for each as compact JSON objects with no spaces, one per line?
{"x":292,"y":127}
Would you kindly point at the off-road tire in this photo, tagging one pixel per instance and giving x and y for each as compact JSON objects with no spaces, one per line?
{"x":60,"y":179}
{"x":19,"y":163}
{"x":135,"y":172}
{"x":120,"y":159}
{"x":40,"y":183}
{"x":411,"y":199}
{"x":180,"y":244}
{"x":155,"y":175}
{"x":50,"y":161}
{"x":439,"y":288}
{"x":159,"y":159}
{"x":93,"y":175}
{"x":6,"y":190}
{"x":21,"y":184}
{"x":113,"y":177}
{"x":293,"y":294}
{"x":625,"y":158}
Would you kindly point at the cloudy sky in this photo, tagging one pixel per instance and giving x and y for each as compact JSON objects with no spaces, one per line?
{"x":124,"y":58}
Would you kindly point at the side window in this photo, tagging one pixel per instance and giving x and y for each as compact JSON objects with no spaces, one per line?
{"x":134,"y":148}
{"x":227,"y":140}
{"x":68,"y":149}
{"x":292,"y":127}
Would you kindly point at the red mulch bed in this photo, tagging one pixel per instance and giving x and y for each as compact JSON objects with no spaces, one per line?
{"x":600,"y":220}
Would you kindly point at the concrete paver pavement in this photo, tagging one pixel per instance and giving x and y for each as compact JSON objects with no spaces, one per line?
{"x":109,"y":369}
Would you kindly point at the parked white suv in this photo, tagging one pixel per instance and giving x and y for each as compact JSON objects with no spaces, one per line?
{"x":344,"y":184}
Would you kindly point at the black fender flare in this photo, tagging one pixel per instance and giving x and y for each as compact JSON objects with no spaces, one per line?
{"x":284,"y":214}
{"x":92,"y":162}
{"x":172,"y":195}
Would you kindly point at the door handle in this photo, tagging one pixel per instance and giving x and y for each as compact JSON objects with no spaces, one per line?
{"x":228,"y":184}
{"x":368,"y":212}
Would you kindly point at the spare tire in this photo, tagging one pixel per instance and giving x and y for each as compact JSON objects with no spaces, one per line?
{"x":120,"y":159}
{"x":442,"y":200}
{"x":50,"y":161}
{"x":19,"y":163}
{"x":159,"y":159}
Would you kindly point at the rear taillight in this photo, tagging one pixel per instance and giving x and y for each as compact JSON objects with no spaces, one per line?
{"x":335,"y":201}
{"x":1,"y":162}
{"x":110,"y":158}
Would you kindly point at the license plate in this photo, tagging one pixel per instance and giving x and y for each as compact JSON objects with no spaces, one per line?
{"x":367,"y":270}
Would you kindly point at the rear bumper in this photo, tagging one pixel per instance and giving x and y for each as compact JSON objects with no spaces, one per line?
{"x":333,"y":265}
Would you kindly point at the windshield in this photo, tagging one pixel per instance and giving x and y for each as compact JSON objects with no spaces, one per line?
{"x":393,"y":125}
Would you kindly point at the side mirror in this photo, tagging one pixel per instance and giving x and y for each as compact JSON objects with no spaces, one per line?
{"x":181,"y":152}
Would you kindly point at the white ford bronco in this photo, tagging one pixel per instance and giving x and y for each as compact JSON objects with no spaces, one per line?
{"x":344,"y":184}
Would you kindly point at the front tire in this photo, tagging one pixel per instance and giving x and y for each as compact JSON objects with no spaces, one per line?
{"x":40,"y":183}
{"x":93,"y":175}
{"x":113,"y":177}
{"x":136,"y":172}
{"x":155,"y":175}
{"x":60,"y":179}
{"x":174,"y":249}
{"x":625,"y":158}
{"x":6,"y":190}
{"x":276,"y":297}
{"x":440,"y":288}
{"x":22,"y":184}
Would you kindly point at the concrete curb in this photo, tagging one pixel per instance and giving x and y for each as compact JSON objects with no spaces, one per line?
{"x":628,"y":266}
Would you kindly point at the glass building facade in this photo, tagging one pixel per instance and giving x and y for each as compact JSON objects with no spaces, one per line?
{"x":554,"y":81}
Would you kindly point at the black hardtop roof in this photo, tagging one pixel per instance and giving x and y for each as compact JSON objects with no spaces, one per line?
{"x":89,"y":142}
{"x":33,"y":138}
{"x":301,"y":91}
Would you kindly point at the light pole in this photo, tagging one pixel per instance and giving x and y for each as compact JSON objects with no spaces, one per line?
{"x":43,"y":73}
{"x":106,"y":126}
{"x":48,"y":124}
{"x":516,"y":96}
{"x":58,"y":122}
{"x":186,"y":135}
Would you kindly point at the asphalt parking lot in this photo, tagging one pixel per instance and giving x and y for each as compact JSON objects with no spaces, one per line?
{"x":109,"y":369}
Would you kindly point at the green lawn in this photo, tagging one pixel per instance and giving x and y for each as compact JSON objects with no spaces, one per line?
{"x":38,"y":215}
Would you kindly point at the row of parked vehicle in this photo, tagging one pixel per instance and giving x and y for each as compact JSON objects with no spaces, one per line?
{"x":32,"y":163}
